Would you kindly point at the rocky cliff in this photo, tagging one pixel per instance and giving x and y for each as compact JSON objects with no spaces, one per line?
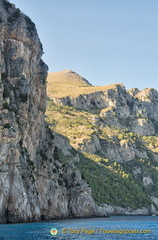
{"x":134,"y":110}
{"x":34,"y":184}
{"x":115,"y":131}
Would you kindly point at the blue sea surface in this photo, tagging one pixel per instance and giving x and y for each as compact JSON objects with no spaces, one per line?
{"x":112,"y":228}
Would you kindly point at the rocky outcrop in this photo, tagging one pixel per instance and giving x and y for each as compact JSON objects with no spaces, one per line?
{"x":134,"y":110}
{"x":96,"y":99}
{"x":34,"y":184}
{"x":138,"y":114}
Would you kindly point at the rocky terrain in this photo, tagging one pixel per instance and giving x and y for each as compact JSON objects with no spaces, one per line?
{"x":94,"y":150}
{"x":116,"y":131}
{"x":34,"y":184}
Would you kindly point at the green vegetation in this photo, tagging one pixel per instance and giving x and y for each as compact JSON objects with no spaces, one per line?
{"x":7,"y":125}
{"x":6,"y":92}
{"x":138,"y":115}
{"x":78,"y":125}
{"x":6,"y":106}
{"x":110,"y":186}
{"x":70,"y":122}
{"x":151,"y":142}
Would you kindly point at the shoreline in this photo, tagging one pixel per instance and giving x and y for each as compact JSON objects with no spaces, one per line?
{"x":99,"y":218}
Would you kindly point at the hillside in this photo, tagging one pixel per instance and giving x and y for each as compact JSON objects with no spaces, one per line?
{"x":114,"y":133}
{"x":69,"y":83}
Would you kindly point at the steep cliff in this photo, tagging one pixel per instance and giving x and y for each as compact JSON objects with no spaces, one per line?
{"x":115,"y":131}
{"x":34,"y":184}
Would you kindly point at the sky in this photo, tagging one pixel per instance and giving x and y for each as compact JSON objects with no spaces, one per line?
{"x":104,"y":41}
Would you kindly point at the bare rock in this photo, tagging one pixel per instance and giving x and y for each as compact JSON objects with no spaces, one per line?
{"x":33,"y":183}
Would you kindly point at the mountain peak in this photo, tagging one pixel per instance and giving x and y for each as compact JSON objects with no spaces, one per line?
{"x":69,"y":83}
{"x":68,"y":76}
{"x":68,"y":71}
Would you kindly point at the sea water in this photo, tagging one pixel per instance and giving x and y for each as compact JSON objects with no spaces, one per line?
{"x":112,"y":228}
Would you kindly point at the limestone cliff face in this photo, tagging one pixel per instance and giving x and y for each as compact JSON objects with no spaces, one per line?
{"x":138,"y":113}
{"x":32,"y":179}
{"x":134,"y":110}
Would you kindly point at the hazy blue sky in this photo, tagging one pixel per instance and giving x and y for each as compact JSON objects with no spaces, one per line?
{"x":105,"y":41}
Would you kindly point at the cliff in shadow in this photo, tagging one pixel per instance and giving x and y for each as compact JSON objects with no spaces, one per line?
{"x":34,"y":183}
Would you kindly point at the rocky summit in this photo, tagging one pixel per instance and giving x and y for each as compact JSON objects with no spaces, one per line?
{"x":34,"y":184}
